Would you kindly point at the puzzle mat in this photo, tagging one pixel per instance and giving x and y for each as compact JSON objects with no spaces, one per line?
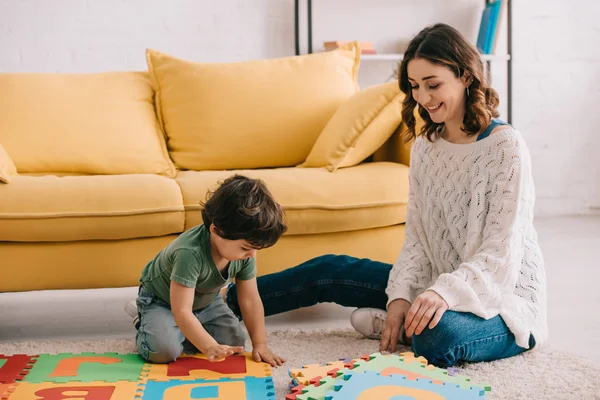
{"x":112,"y":376}
{"x":379,"y":376}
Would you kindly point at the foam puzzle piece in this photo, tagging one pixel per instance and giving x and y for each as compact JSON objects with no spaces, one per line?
{"x":249,"y":388}
{"x":197,"y":366}
{"x":371,"y":385}
{"x":414,"y":368}
{"x":74,"y":390}
{"x":15,"y":367}
{"x":85,"y":367}
{"x":389,"y":364}
{"x":303,"y":375}
{"x":317,"y":392}
{"x":294,"y":391}
{"x":4,"y":388}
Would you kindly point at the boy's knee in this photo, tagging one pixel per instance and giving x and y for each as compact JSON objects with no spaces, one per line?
{"x":165,"y":353}
{"x":160,"y":350}
{"x":237,"y":338}
{"x":232,"y":336}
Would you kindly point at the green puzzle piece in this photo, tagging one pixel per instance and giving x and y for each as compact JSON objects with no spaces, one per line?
{"x":85,"y":367}
{"x":378,"y":362}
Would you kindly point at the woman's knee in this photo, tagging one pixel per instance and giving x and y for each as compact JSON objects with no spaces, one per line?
{"x":439,"y":345}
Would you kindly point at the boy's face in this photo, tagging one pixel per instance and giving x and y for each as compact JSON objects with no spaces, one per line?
{"x":232,"y":250}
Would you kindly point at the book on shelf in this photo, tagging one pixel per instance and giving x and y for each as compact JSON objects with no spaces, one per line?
{"x":491,"y":22}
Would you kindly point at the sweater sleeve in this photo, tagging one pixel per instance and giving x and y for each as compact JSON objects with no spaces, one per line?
{"x":412,"y":270}
{"x":481,"y":280}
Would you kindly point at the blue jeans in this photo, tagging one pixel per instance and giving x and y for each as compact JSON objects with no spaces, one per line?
{"x":353,"y":282}
{"x":159,"y":339}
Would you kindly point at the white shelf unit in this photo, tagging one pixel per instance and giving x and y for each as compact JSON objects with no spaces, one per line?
{"x":398,"y":57}
{"x":488,"y":59}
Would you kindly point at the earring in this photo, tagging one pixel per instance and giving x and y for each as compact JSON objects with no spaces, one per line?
{"x":468,"y":94}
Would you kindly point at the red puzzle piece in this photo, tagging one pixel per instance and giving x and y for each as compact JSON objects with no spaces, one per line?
{"x":295,"y":392}
{"x":15,"y":367}
{"x":79,"y":392}
{"x":235,"y":364}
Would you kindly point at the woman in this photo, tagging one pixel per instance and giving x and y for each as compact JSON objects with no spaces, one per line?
{"x":469,"y":284}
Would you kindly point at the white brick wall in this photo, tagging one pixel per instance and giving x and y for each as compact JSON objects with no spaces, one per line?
{"x":556,"y":50}
{"x":556,"y":98}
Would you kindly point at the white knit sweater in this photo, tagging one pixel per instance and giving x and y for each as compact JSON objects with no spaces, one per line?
{"x":470,"y":235}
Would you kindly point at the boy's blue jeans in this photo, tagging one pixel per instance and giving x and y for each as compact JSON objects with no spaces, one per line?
{"x":159,"y":339}
{"x":354,"y":282}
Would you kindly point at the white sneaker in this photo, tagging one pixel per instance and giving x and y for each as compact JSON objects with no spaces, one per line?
{"x":131,"y":308}
{"x":369,"y":322}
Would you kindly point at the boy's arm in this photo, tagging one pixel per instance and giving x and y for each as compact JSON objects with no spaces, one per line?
{"x":182,"y":299}
{"x":253,"y":315}
{"x":252,"y":309}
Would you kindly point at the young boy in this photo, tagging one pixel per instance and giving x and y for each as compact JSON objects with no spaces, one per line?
{"x":179,"y":296}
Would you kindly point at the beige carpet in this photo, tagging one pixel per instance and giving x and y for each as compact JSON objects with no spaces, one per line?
{"x":545,"y":374}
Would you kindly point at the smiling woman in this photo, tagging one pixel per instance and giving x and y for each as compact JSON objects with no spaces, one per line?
{"x":444,"y":76}
{"x":469,"y":284}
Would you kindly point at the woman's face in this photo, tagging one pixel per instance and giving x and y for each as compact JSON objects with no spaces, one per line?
{"x":438,"y":90}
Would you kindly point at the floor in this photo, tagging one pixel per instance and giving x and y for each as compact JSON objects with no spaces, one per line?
{"x":569,"y":245}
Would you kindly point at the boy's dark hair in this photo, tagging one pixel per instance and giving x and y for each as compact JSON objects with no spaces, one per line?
{"x":243,"y":208}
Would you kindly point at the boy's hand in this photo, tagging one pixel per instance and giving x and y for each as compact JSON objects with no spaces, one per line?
{"x":262,"y":353}
{"x":220,"y":351}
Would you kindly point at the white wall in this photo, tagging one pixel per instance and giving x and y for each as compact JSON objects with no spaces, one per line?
{"x":556,"y":53}
{"x":557,"y":100}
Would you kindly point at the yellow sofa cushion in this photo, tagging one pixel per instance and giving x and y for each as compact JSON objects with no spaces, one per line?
{"x":358,"y":128}
{"x":7,"y":166}
{"x":252,"y":114}
{"x":315,"y":200}
{"x":101,"y":123}
{"x":54,"y":209}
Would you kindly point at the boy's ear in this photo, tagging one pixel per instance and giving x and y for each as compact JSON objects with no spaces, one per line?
{"x":215,"y":231}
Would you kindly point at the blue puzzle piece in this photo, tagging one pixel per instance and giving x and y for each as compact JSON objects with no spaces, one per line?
{"x":355,"y":384}
{"x":256,"y":388}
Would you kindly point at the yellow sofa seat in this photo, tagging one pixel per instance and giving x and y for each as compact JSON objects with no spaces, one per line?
{"x":370,"y":195}
{"x":72,"y":208}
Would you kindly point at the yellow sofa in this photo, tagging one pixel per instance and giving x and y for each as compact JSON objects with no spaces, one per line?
{"x":98,"y":172}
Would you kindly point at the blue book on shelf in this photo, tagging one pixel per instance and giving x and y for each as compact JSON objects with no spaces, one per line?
{"x":493,"y":26}
{"x":484,"y":29}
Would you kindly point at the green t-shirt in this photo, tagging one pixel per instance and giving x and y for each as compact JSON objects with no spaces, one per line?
{"x":187,"y":260}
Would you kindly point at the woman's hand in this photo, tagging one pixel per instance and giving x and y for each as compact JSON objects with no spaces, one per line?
{"x":395,"y":318}
{"x":428,"y":308}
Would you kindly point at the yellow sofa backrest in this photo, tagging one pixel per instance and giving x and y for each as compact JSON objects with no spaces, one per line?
{"x":242,"y":115}
{"x":101,"y":123}
{"x":251,"y":114}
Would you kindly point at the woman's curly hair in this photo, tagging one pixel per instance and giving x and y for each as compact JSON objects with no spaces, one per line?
{"x":443,"y":45}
